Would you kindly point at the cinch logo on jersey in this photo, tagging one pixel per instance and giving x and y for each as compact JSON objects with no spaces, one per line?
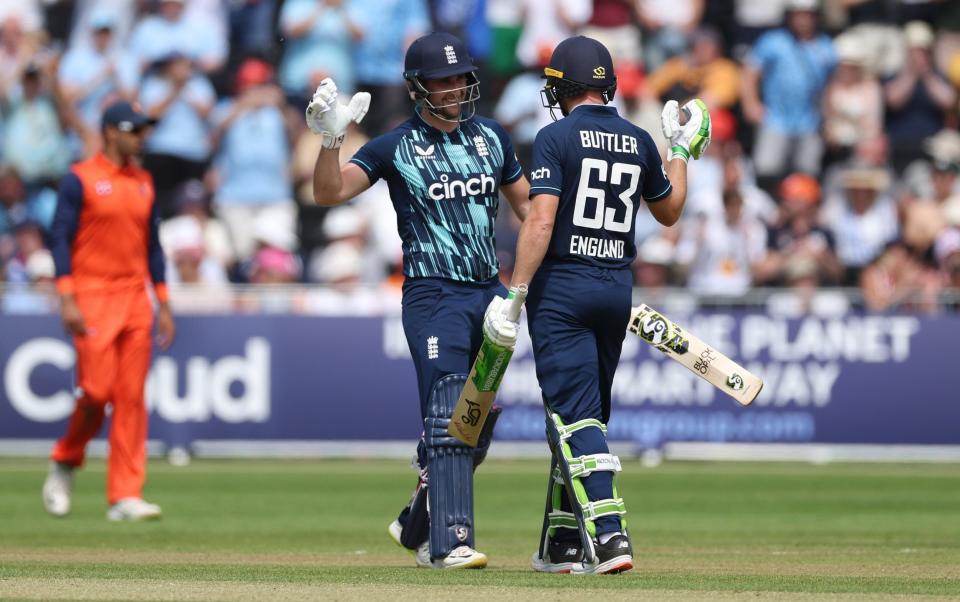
{"x":452,"y":189}
{"x":536,"y":174}
{"x":601,"y":248}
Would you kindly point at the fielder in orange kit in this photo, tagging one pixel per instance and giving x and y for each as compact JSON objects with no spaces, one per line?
{"x":105,"y":246}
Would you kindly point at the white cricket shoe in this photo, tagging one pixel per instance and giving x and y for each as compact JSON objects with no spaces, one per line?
{"x":57,"y":488}
{"x":463,"y":557}
{"x":133,"y":509}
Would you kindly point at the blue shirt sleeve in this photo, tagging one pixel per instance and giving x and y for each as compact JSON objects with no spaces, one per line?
{"x":374,"y":157}
{"x":656,"y":185}
{"x":66,"y":218}
{"x":155,"y":258}
{"x":763,"y":50}
{"x":511,"y":166}
{"x":546,"y":172}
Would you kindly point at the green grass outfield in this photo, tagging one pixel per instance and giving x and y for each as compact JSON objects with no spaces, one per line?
{"x":316,"y":530}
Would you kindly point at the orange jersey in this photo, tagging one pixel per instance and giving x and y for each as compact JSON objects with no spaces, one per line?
{"x":104,"y":233}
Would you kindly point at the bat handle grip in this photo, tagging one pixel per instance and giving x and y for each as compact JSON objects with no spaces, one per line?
{"x":516,"y":298}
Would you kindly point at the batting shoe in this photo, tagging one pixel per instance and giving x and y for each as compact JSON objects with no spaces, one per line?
{"x":463,"y":557}
{"x":614,"y":556}
{"x":422,"y":553}
{"x":562,"y":557}
{"x":133,"y":509}
{"x":57,"y":489}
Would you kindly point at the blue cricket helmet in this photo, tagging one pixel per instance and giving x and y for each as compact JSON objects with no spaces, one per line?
{"x":578,"y":64}
{"x":439,"y":55}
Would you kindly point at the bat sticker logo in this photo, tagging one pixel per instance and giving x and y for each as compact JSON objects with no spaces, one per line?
{"x":472,"y":417}
{"x":654,"y":329}
{"x":735,"y":381}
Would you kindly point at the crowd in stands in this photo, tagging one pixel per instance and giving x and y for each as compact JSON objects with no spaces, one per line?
{"x":834,"y":162}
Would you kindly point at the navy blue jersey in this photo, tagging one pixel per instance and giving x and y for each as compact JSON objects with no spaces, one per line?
{"x":600,"y":165}
{"x":445,"y":188}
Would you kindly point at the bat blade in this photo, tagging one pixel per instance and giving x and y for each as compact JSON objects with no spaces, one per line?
{"x":697,"y":356}
{"x":478,"y":393}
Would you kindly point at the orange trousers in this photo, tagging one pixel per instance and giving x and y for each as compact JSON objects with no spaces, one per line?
{"x":113,"y":359}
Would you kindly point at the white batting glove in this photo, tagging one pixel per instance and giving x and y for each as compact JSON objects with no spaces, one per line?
{"x":693,"y":137}
{"x":497,"y":328}
{"x":328,"y":118}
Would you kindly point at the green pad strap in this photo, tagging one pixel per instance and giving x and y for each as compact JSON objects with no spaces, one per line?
{"x":585,"y":465}
{"x":566,"y":430}
{"x":562,"y":520}
{"x":594,"y":510}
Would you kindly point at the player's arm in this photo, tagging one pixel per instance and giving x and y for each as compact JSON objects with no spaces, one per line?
{"x":334,"y":184}
{"x":166,"y":329}
{"x":518,"y":195}
{"x":66,"y":219}
{"x":668,"y":209}
{"x":534,"y":239}
{"x":329,"y":119}
{"x":687,"y":140}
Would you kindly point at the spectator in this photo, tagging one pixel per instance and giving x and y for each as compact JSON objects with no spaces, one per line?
{"x":719,"y":255}
{"x":874,"y":24}
{"x":796,"y":240}
{"x":852,"y":102}
{"x":339,"y":266}
{"x":917,"y":98}
{"x":753,"y":18}
{"x":170,"y":31}
{"x":179,"y":99}
{"x":862,"y":219}
{"x":192,"y":201}
{"x":505,"y":18}
{"x":666,"y":27}
{"x":95,"y":74}
{"x":252,"y":165}
{"x":942,"y":149}
{"x":785,"y":74}
{"x":39,"y":294}
{"x":612,"y":24}
{"x":186,"y":254}
{"x":387,"y":27}
{"x":274,"y":266}
{"x":896,"y":279}
{"x":17,"y":52}
{"x":318,"y":40}
{"x":702,"y":72}
{"x":652,"y":268}
{"x":34,"y":143}
{"x":545,"y":24}
{"x":251,"y":28}
{"x":27,"y":240}
{"x":946,"y":252}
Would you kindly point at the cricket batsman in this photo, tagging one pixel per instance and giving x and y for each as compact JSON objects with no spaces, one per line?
{"x":591,"y":171}
{"x":105,"y":248}
{"x":445,"y":168}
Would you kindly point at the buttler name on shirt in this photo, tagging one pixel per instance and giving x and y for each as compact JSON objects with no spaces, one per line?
{"x":615,"y":143}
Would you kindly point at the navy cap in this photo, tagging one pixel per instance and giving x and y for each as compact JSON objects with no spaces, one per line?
{"x":435,"y":56}
{"x":582,"y":60}
{"x":123,"y":116}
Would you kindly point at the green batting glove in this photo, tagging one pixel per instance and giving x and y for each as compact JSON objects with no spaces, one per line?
{"x":692,"y":138}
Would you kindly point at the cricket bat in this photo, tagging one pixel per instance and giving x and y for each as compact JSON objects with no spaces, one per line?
{"x":488,"y":369}
{"x":701,"y":359}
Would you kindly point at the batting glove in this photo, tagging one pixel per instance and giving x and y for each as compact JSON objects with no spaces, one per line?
{"x":328,"y":118}
{"x":693,"y":137}
{"x":497,"y":327}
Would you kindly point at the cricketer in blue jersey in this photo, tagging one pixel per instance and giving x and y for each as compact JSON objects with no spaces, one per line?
{"x":445,"y":168}
{"x":592,"y":170}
